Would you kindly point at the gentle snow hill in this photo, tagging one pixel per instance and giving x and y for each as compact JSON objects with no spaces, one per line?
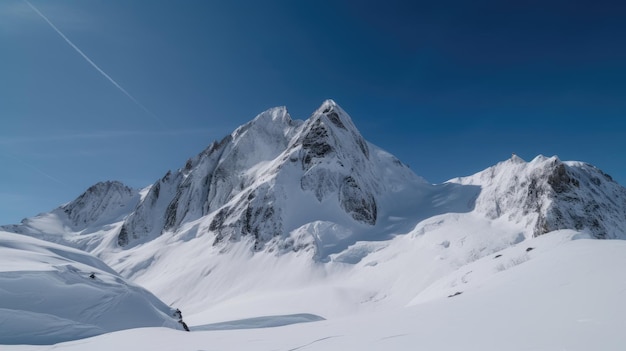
{"x":563,"y":295}
{"x":51,"y":293}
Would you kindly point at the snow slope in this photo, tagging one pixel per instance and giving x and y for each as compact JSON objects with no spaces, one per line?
{"x":562,"y":295}
{"x":51,"y":293}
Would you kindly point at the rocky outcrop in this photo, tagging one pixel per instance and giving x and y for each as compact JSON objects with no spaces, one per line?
{"x":586,"y":199}
{"x":548,"y":194}
{"x":335,"y":160}
{"x":361,"y":205}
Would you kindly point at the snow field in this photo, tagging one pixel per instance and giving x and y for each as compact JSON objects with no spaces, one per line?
{"x":563,"y":297}
{"x":50,"y":293}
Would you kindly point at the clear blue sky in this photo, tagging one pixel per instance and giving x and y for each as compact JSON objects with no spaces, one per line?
{"x":449,"y":87}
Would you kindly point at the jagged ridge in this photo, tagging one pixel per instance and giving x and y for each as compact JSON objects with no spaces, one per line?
{"x":275,"y":178}
{"x":548,"y":194}
{"x":234,"y":182}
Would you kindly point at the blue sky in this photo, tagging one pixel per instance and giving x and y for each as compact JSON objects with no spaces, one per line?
{"x":449,"y":87}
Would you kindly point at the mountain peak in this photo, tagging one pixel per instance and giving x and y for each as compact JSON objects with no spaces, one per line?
{"x":270,"y":121}
{"x":516,"y":159}
{"x":330,"y":111}
{"x":103,"y":201}
{"x":276,"y":115}
{"x":329,"y":103}
{"x":545,"y":159}
{"x":326,"y":106}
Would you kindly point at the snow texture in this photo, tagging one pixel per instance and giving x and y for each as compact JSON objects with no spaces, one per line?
{"x":51,"y":293}
{"x":562,"y":296}
{"x":547,"y":194}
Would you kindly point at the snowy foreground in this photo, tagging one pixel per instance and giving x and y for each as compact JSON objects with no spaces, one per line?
{"x":49,"y":292}
{"x":566,"y":293}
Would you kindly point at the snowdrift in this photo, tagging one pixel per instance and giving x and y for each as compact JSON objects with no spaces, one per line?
{"x":50,"y":293}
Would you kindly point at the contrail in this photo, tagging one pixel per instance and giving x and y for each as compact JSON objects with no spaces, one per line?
{"x":93,"y":64}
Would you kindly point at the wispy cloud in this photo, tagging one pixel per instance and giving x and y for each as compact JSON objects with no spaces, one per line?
{"x":35,"y":169}
{"x":93,"y":64}
{"x":13,"y":139}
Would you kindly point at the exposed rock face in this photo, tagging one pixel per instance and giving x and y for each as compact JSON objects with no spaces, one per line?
{"x":359,"y":204}
{"x":101,"y":201}
{"x":333,"y":154}
{"x":148,"y":219}
{"x":584,"y":198}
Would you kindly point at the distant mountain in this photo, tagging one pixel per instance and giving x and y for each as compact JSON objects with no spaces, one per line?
{"x":548,"y":194}
{"x":283,"y":204}
{"x":81,"y":222}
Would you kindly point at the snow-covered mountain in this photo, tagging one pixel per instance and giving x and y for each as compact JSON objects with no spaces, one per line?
{"x":548,"y":194}
{"x":270,"y":177}
{"x":275,"y":179}
{"x":81,"y":222}
{"x":307,"y":218}
{"x":268,"y":182}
